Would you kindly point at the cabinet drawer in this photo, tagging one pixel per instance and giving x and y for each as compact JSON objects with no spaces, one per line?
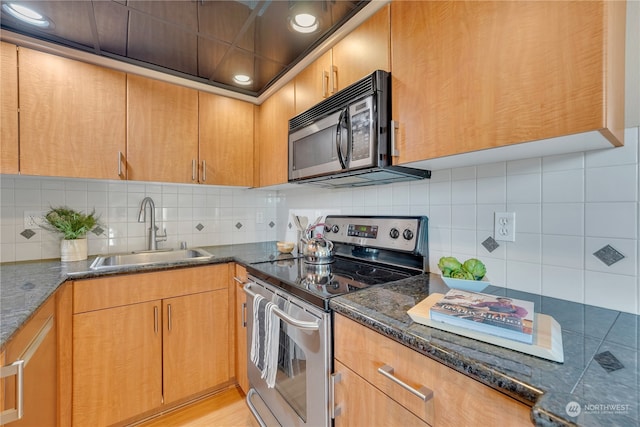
{"x":457,"y":399}
{"x":113,"y":291}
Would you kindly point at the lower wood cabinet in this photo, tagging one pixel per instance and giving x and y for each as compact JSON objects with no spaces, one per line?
{"x":372,"y":365}
{"x":34,"y":346}
{"x":144,"y":342}
{"x":240,"y":278}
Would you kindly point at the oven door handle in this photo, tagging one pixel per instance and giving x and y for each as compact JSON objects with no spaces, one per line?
{"x":300,"y":324}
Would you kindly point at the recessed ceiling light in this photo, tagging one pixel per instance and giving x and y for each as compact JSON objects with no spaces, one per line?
{"x":26,"y":14}
{"x":304,"y":23}
{"x":242,"y":79}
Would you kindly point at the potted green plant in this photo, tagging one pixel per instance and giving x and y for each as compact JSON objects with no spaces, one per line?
{"x":74,"y":226}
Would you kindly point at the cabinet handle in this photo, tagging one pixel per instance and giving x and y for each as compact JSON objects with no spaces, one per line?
{"x":204,"y":170}
{"x":244,"y":314}
{"x":424,"y":393}
{"x":334,"y":79}
{"x":120,"y":156}
{"x":155,"y":319}
{"x":17,"y":369}
{"x":325,"y":83}
{"x":193,"y":170}
{"x":393,"y":130}
{"x":169,"y":316}
{"x":334,"y":410}
{"x":239,"y":280}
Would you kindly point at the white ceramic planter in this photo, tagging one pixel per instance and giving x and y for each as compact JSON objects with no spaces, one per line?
{"x":73,"y":250}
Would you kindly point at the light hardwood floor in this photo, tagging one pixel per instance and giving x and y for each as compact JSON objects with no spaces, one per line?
{"x":225,"y":409}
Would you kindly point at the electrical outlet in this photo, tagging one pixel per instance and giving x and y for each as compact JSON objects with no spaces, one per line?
{"x":34,"y":219}
{"x":505,"y":226}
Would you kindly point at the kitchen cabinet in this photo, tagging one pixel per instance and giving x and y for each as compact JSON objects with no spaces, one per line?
{"x":34,"y":346}
{"x":449,"y":397}
{"x":9,"y":108}
{"x":358,"y":54}
{"x":468,"y":76}
{"x":144,"y":342}
{"x":225,"y":141}
{"x":72,"y":118}
{"x":272,"y":137}
{"x":162,"y":131}
{"x":240,"y":278}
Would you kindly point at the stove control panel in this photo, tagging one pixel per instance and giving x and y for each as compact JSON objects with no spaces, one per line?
{"x":404,"y":233}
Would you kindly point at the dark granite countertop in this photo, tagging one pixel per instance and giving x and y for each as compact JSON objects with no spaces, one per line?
{"x":25,"y":286}
{"x":599,"y":373}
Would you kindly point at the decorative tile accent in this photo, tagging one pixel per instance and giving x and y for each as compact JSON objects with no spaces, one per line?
{"x":27,"y":233}
{"x":27,"y":286}
{"x":272,"y":224}
{"x":98,"y":231}
{"x":490,"y":244}
{"x":290,"y":226}
{"x":239,"y":225}
{"x":608,"y":255}
{"x":608,"y":361}
{"x":199,"y":227}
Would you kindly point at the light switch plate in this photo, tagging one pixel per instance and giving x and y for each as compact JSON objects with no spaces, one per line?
{"x":505,"y":226}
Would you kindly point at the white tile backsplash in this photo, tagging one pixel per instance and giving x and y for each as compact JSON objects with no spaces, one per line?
{"x":567,"y":207}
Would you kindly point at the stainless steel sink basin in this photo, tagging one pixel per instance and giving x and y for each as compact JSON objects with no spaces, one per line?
{"x":149,"y":258}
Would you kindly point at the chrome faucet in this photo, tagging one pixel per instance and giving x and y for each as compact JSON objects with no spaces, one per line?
{"x":154,"y":237}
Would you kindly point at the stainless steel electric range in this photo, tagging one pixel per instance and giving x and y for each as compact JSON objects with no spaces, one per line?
{"x":369,"y":250}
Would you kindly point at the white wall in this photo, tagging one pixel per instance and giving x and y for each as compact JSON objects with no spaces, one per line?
{"x":179,"y":209}
{"x":567,"y":207}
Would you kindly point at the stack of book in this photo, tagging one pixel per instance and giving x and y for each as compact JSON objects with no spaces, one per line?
{"x":490,"y":314}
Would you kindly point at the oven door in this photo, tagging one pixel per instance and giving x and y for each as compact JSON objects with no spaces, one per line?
{"x":301,"y":393}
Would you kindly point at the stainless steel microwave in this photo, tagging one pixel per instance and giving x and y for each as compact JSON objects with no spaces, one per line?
{"x":345,"y":140}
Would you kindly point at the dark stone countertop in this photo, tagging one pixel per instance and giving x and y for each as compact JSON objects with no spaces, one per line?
{"x":25,"y":286}
{"x":600,"y":369}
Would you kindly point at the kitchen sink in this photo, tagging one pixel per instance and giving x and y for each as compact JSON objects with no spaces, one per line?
{"x":149,"y":258}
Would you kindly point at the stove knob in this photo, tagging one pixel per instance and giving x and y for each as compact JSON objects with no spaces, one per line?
{"x":407,"y":234}
{"x":335,"y":228}
{"x":327,"y":228}
{"x":394,"y":233}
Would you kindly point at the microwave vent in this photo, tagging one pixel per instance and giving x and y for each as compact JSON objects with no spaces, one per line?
{"x":355,"y":92}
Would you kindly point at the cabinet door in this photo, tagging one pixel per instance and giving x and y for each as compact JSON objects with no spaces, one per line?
{"x":363,"y":51}
{"x":40,"y":373}
{"x":314,"y":83}
{"x":9,"y":109}
{"x":117,"y":363}
{"x":474,"y":75}
{"x":162,"y":131}
{"x":361,"y":404}
{"x":272,"y":140}
{"x":226,"y":141}
{"x":72,"y":118}
{"x":241,"y":328}
{"x":196,"y":340}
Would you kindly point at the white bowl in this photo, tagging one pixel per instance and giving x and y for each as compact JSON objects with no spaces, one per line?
{"x":466,"y":285}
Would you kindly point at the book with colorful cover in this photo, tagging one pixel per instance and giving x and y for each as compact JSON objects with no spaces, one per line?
{"x":491,"y":314}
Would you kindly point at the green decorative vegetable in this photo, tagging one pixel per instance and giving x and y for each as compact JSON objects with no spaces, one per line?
{"x":449,"y":264}
{"x":72,"y":224}
{"x":472,"y":269}
{"x":475,"y":267}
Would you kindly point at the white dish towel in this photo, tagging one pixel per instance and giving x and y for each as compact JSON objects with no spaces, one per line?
{"x":265,"y":339}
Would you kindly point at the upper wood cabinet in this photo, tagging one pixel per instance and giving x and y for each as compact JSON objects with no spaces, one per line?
{"x":474,"y":75}
{"x":9,"y":108}
{"x":72,"y":117}
{"x":162,"y":131}
{"x":226,"y":141}
{"x":358,"y":54}
{"x":272,"y":137}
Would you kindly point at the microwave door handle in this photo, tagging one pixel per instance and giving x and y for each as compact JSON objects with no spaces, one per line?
{"x":343,"y":161}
